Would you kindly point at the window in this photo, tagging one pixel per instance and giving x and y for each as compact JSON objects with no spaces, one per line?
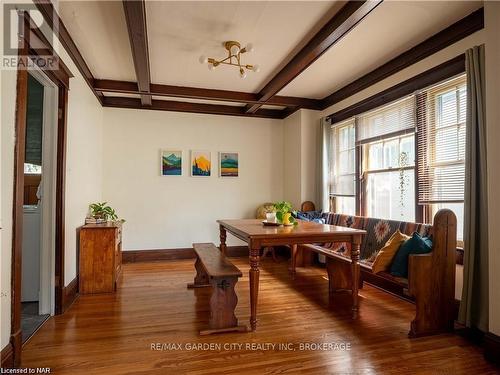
{"x":388,"y":148}
{"x":342,"y":188}
{"x":442,"y":149}
{"x":381,"y":157}
{"x":390,"y":178}
{"x":32,"y":168}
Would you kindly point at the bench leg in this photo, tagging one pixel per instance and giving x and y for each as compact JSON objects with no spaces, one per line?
{"x":222,"y":305}
{"x":301,"y":257}
{"x":339,"y":275}
{"x":267,"y":250}
{"x":201,"y":278}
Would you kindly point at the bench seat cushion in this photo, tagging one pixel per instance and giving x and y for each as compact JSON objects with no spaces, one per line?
{"x":349,"y":221}
{"x":378,"y":232}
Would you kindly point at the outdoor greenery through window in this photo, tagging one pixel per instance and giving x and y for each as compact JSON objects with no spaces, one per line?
{"x":417,"y":142}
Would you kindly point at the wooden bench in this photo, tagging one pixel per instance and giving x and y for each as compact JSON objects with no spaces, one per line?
{"x":431,"y":277}
{"x":215,"y":270}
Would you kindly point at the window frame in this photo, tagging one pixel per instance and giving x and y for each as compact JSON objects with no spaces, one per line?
{"x":423,"y":212}
{"x":428,"y":210}
{"x":458,"y":125}
{"x":335,"y":130}
{"x":364,"y":172}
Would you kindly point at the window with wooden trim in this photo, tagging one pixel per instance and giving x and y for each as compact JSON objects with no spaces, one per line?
{"x":441,"y":149}
{"x":404,"y":160}
{"x":343,"y":178}
{"x":387,"y":138}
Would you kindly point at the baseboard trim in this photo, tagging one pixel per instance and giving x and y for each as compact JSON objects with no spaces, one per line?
{"x":157,"y":255}
{"x":7,"y":356}
{"x":491,"y":344}
{"x":70,"y":294}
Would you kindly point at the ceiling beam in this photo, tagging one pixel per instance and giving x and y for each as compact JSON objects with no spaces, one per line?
{"x":430,"y":77}
{"x":125,"y":87}
{"x":338,"y":26}
{"x":135,"y":14}
{"x":175,"y":106}
{"x":459,"y":30}
{"x":54,"y":21}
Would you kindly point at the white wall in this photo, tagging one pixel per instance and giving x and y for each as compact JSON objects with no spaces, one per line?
{"x":83,"y":173}
{"x":309,"y":155}
{"x":164,"y":212}
{"x":292,"y":160}
{"x":492,"y":24}
{"x":83,"y":162}
{"x":301,"y":131}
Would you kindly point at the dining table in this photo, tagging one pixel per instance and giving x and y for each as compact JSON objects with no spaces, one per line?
{"x":258,"y":236}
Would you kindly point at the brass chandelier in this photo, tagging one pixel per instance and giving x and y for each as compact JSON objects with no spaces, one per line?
{"x":234,"y":52}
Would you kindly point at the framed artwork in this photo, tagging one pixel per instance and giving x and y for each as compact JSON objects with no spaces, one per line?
{"x":171,"y":163}
{"x":228,"y":164}
{"x":201,"y":163}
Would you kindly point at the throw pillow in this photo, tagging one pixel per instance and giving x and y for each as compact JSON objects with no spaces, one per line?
{"x":316,"y":216}
{"x":415,"y":245}
{"x":385,"y":255}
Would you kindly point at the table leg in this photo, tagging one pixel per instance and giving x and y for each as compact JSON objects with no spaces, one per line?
{"x":222,"y":236}
{"x":355,"y":272}
{"x":293,"y":260}
{"x":254,"y":283}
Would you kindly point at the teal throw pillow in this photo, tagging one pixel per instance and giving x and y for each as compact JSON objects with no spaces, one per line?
{"x":416,"y":244}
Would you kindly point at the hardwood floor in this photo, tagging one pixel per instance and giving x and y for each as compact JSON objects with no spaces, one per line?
{"x":113,"y":334}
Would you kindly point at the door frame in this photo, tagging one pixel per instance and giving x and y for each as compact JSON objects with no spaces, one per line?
{"x":47,"y":211}
{"x":33,"y":46}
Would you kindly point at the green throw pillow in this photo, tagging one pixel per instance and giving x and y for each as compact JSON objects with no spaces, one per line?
{"x":415,"y":245}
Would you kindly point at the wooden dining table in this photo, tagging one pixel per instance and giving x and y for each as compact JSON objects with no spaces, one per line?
{"x":258,"y":236}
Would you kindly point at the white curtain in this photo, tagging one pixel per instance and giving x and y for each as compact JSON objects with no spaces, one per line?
{"x":324,"y":157}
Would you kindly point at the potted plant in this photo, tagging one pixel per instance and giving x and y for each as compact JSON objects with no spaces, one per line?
{"x":404,"y":161}
{"x":284,"y":213}
{"x":101,"y":213}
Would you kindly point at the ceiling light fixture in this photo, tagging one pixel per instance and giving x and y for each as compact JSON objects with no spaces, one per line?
{"x":234,"y":52}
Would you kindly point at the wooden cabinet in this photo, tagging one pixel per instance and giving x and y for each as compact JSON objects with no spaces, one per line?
{"x":100,"y":257}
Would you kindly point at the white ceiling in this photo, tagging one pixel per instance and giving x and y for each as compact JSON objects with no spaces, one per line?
{"x":100,"y":32}
{"x":180,"y":31}
{"x":392,"y":28}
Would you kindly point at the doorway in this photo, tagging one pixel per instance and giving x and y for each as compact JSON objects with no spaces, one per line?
{"x":32,"y":44}
{"x":37,"y":272}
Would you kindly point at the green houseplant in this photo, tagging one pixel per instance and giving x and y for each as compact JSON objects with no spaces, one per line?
{"x":101,"y":212}
{"x":284,"y":213}
{"x":404,"y":161}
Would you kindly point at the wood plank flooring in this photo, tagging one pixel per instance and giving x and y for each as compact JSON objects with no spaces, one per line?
{"x":113,"y":334}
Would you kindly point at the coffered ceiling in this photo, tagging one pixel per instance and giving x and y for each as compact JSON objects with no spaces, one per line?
{"x":306,"y":49}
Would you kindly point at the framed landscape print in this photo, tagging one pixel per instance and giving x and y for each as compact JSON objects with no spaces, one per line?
{"x":201,"y":163}
{"x":171,"y":163}
{"x":228,"y":164}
